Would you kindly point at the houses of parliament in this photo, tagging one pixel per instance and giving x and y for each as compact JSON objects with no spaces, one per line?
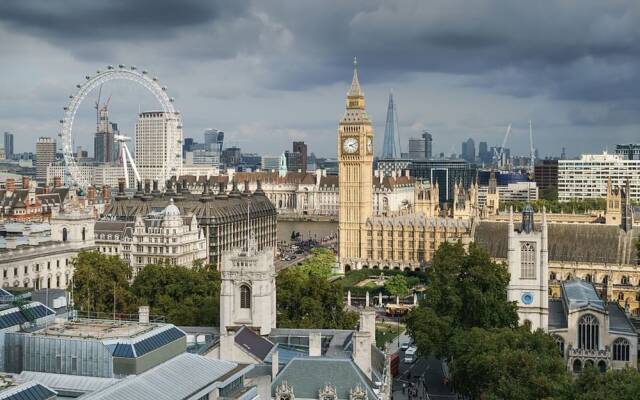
{"x":602,"y":251}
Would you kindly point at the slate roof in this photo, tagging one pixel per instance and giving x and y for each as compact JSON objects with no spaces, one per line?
{"x":557,"y":317}
{"x":568,"y":242}
{"x":253,"y":343}
{"x":122,"y":228}
{"x":143,"y":344}
{"x":308,"y":375}
{"x":182,"y":377}
{"x":28,"y":391}
{"x":579,"y":294}
{"x":14,"y":316}
{"x":618,"y":320}
{"x":67,"y":384}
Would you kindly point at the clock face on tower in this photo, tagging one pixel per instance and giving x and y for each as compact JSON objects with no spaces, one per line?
{"x":350,"y":145}
{"x":527,"y":298}
{"x":369,"y":145}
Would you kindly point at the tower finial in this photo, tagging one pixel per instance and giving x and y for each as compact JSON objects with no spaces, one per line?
{"x":355,"y":83}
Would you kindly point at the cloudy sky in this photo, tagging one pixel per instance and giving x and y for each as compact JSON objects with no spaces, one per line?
{"x":268,"y":72}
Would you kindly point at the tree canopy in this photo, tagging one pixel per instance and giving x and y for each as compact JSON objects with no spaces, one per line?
{"x":397,"y":285}
{"x":507,"y":363}
{"x":464,"y":289}
{"x":98,"y":280}
{"x":306,"y":299}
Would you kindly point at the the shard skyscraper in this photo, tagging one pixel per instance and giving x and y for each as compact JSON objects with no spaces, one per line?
{"x":391,"y":145}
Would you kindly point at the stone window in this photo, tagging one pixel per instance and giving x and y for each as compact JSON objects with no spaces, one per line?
{"x":588,"y":332}
{"x":621,"y":349}
{"x":559,"y":343}
{"x":527,"y":260}
{"x":245,"y":296}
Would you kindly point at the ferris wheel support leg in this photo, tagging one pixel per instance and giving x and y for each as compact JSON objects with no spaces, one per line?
{"x":126,"y":170}
{"x":133,"y":165}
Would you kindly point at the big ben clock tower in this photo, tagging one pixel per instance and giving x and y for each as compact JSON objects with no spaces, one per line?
{"x":355,"y":152}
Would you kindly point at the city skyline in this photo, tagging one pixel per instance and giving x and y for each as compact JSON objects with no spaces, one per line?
{"x":268,"y":73}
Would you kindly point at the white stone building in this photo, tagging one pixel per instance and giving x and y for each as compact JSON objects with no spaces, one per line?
{"x":45,"y":260}
{"x":588,"y":329}
{"x":588,"y":176}
{"x":519,"y":191}
{"x":161,"y":237}
{"x":158,"y":145}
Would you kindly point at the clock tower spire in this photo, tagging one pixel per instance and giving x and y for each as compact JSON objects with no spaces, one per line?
{"x":355,"y":170}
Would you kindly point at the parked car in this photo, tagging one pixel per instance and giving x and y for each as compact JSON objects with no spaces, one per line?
{"x":404,"y":346}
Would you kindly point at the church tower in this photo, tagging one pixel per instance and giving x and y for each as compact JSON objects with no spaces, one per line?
{"x":248,"y":289}
{"x":528,"y":262}
{"x":355,"y":170}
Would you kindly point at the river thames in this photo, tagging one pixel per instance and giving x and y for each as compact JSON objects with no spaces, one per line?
{"x":307,"y":229}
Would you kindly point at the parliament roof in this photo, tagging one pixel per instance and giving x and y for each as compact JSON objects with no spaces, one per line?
{"x":568,"y":242}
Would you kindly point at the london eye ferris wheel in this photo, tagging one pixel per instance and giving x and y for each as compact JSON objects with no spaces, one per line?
{"x":121,"y":72}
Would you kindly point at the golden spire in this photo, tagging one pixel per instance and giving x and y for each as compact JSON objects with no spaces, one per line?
{"x":355,"y":90}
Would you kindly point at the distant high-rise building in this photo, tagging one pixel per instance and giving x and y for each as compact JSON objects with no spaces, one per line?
{"x":629,"y":151}
{"x":469,"y":150}
{"x":187,"y":146}
{"x":45,"y":156}
{"x":417,"y":149}
{"x":231,"y":156}
{"x":546,"y":174}
{"x":563,"y":155}
{"x":483,"y":153}
{"x":105,"y":148}
{"x":214,"y":140}
{"x":428,"y":145}
{"x":294,"y":161}
{"x":391,"y":147}
{"x":301,"y":147}
{"x":8,"y":145}
{"x":270,"y":163}
{"x":158,"y":145}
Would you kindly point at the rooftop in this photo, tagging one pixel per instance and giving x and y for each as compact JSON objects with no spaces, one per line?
{"x":96,"y":329}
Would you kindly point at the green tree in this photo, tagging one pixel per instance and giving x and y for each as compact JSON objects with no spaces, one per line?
{"x":306,"y":300}
{"x":185,"y":296}
{"x":507,"y":363}
{"x":397,"y":285}
{"x":98,"y":280}
{"x":464,"y":289}
{"x":320,"y":263}
{"x":591,"y":384}
{"x":550,"y":193}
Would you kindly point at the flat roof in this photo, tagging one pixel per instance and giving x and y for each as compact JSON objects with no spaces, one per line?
{"x":95,"y":329}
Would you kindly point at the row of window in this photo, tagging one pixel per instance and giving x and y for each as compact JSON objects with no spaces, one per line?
{"x":16,"y":270}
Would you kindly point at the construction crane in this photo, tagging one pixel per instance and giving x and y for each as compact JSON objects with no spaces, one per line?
{"x":499,"y":153}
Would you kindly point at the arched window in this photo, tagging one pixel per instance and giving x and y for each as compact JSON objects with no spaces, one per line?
{"x":605,"y":280}
{"x":245,"y":296}
{"x":621,"y":349}
{"x":560,"y":343}
{"x":568,"y":277}
{"x":84,"y":234}
{"x":528,"y":260}
{"x":621,"y":296}
{"x":552,"y":276}
{"x":588,"y":332}
{"x":64,"y":234}
{"x":624,"y":280}
{"x":588,"y":278}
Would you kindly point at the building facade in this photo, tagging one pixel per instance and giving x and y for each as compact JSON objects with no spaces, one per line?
{"x":587,"y":177}
{"x":45,"y":156}
{"x":403,"y":241}
{"x":47,"y":261}
{"x":521,"y":191}
{"x":164,"y":237}
{"x":629,"y":151}
{"x":546,"y":174}
{"x":8,"y":145}
{"x":159,"y":145}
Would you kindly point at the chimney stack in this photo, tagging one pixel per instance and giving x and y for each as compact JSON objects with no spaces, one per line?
{"x":143,"y":314}
{"x":362,"y":352}
{"x":10,"y":185}
{"x":106,"y":194}
{"x":120,"y":186}
{"x":91,"y":194}
{"x":147,"y":186}
{"x":275,"y":364}
{"x":315,"y":344}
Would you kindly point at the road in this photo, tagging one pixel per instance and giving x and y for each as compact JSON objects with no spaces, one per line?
{"x":428,"y":371}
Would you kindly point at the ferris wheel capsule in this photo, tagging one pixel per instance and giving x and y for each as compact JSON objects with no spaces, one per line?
{"x":87,"y":77}
{"x":171,"y":99}
{"x":62,"y":121}
{"x":78,"y":86}
{"x":65,"y":108}
{"x":98,"y":71}
{"x":121,"y":65}
{"x":164,"y":88}
{"x":155,"y":79}
{"x":109,"y":66}
{"x":133,"y":68}
{"x":144,"y":72}
{"x":71,"y":96}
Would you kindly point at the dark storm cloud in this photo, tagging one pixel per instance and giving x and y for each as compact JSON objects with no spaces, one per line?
{"x":113,"y":19}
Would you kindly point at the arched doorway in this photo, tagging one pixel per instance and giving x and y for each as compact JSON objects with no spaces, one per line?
{"x":577,"y":366}
{"x":64,"y":234}
{"x":347,"y":268}
{"x":602,"y":366}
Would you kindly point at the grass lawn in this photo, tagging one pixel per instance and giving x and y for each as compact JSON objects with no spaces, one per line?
{"x":386,"y":333}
